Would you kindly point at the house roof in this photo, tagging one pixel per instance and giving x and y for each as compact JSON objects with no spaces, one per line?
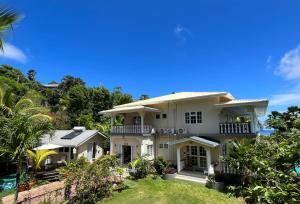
{"x":260,"y":105}
{"x":57,"y":139}
{"x":180,"y":96}
{"x":130,"y":109}
{"x":198,"y":140}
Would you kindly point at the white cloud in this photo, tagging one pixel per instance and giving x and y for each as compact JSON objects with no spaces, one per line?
{"x":181,"y":33}
{"x":14,"y":53}
{"x":292,"y":98}
{"x":289,"y":66}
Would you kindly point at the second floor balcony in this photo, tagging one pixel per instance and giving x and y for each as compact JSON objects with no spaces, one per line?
{"x":234,"y":128}
{"x":131,"y":129}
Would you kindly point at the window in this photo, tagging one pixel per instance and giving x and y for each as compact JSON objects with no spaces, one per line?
{"x":164,"y":115}
{"x":166,"y":146}
{"x":193,"y":117}
{"x":161,"y":146}
{"x":150,"y":150}
{"x":137,"y":120}
{"x":202,"y":159}
{"x":187,"y":118}
{"x":194,"y":150}
{"x":157,"y":116}
{"x":199,"y":117}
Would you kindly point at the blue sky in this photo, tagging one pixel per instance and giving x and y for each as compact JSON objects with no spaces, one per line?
{"x":249,"y":48}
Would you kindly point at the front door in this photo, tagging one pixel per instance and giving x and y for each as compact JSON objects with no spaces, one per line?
{"x":126,"y":154}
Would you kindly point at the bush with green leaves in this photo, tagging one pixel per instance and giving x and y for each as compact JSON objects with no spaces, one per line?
{"x":141,"y":167}
{"x":91,"y":181}
{"x":268,"y":164}
{"x":160,"y":164}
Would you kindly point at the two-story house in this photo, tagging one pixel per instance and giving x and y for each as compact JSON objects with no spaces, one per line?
{"x":190,"y":129}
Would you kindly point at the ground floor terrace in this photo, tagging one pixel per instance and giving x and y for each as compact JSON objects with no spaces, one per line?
{"x":193,"y":154}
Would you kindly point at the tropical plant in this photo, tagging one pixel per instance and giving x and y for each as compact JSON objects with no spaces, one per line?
{"x":141,"y":167}
{"x":268,"y":163}
{"x":160,"y":164}
{"x":91,"y":181}
{"x":38,"y":156}
{"x":31,"y":74}
{"x":27,"y":104}
{"x":7,"y":18}
{"x":19,"y":133}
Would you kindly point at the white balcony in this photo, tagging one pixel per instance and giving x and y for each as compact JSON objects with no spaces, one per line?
{"x":235,"y":128}
{"x":131,"y":129}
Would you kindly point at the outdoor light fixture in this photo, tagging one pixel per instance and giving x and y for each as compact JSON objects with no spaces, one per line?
{"x":152,"y":131}
{"x":74,"y":150}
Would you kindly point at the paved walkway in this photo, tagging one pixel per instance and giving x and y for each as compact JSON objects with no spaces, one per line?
{"x":191,"y":176}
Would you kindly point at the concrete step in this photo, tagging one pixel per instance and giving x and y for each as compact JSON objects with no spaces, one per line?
{"x":191,"y":178}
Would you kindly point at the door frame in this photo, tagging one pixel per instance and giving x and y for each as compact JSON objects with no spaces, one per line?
{"x":122,"y":157}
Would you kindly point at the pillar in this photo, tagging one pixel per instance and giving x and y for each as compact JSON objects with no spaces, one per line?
{"x":208,"y":158}
{"x":178,"y":160}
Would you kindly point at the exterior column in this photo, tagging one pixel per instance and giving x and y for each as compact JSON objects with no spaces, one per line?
{"x":208,"y":158}
{"x":112,"y":118}
{"x":111,"y":148}
{"x":142,"y":121}
{"x":178,"y":160}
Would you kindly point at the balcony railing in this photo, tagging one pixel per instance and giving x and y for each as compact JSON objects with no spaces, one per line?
{"x":131,"y":129}
{"x":234,"y":128}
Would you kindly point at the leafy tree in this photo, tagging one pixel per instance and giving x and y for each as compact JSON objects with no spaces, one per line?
{"x":144,"y":97}
{"x":31,"y":74}
{"x":269,"y":162}
{"x":100,"y":99}
{"x":12,"y":73}
{"x":19,"y":133}
{"x":119,"y":97}
{"x":7,"y":18}
{"x":68,"y":82}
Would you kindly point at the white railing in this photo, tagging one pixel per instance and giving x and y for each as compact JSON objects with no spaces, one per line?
{"x":234,"y":128}
{"x":131,"y":129}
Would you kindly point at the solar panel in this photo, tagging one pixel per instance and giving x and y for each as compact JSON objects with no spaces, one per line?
{"x":72,"y":135}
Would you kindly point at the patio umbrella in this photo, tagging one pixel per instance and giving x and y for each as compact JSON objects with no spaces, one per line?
{"x":48,"y":146}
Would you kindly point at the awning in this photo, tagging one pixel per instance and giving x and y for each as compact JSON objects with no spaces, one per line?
{"x":130,"y":109}
{"x":48,"y":146}
{"x":198,"y":140}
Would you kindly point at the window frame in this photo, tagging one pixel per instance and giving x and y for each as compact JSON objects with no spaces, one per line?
{"x":193,"y":117}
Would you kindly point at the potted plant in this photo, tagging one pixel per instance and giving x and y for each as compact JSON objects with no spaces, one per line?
{"x":169,"y":173}
{"x":216,"y":182}
{"x":23,"y":185}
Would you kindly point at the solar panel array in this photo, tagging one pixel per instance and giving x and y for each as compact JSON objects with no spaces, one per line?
{"x":72,"y":135}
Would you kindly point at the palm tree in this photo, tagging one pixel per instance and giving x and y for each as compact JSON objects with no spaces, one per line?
{"x":7,"y":18}
{"x":19,"y":133}
{"x":27,"y":104}
{"x":38,"y":156}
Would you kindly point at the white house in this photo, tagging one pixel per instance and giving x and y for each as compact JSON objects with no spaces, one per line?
{"x":190,"y":129}
{"x":72,"y":144}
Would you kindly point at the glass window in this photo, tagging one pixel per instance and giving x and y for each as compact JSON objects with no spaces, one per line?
{"x":150,"y":150}
{"x":137,"y":120}
{"x":199,"y":117}
{"x":157,"y":116}
{"x":202,"y":151}
{"x":194,"y":150}
{"x":164,"y":115}
{"x":161,"y":146}
{"x":203,"y":162}
{"x":166,"y":146}
{"x":193,"y":117}
{"x":187,"y":117}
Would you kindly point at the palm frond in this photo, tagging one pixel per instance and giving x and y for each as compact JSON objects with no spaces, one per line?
{"x":7,"y":18}
{"x":23,"y":104}
{"x":39,"y":156}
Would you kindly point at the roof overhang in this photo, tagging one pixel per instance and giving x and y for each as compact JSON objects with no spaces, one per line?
{"x":260,"y":106}
{"x":48,"y":146}
{"x":198,"y":140}
{"x":130,"y":110}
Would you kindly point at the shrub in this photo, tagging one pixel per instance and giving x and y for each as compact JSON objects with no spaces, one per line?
{"x":92,"y":181}
{"x":141,"y":167}
{"x":160,"y":164}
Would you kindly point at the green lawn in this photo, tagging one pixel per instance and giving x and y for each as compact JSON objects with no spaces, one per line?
{"x":168,"y":191}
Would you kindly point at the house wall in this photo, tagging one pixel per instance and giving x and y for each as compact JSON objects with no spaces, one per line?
{"x":82,"y":150}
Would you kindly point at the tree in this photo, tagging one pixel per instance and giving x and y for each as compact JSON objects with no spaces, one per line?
{"x":7,"y":18}
{"x":270,"y":162}
{"x":38,"y":156}
{"x":100,"y":99}
{"x":31,"y":74}
{"x":119,"y":97}
{"x":144,"y":97}
{"x":68,"y":82}
{"x":19,"y":133}
{"x":12,"y":73}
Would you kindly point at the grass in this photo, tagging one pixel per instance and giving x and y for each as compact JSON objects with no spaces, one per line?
{"x":6,"y":192}
{"x":161,"y":191}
